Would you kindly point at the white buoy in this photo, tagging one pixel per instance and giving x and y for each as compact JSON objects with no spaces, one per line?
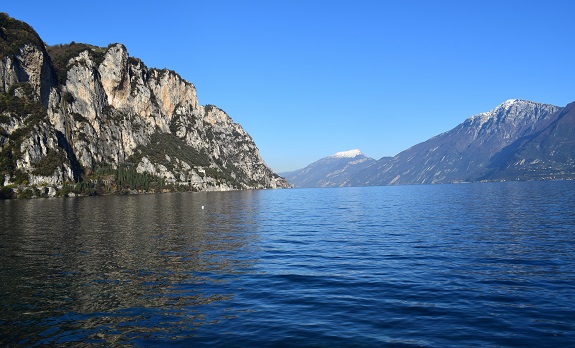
{"x":202,"y":207}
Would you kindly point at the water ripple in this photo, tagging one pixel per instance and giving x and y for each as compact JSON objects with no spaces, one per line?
{"x":410,"y":266}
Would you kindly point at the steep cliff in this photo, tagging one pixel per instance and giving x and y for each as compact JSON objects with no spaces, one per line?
{"x":103,"y":120}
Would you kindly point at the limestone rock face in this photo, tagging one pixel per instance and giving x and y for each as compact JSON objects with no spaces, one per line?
{"x":31,"y":64}
{"x":110,"y":111}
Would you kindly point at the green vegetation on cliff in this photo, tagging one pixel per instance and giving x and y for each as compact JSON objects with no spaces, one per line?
{"x":164,"y":146}
{"x":61,"y":55}
{"x":18,"y":106}
{"x":14,"y":34}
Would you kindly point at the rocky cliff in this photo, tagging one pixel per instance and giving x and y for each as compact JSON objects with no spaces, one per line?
{"x":103,"y":120}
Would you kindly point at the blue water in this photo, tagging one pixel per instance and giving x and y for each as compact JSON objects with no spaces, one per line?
{"x":488,"y":264}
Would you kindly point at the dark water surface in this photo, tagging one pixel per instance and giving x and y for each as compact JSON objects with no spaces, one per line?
{"x":489,"y":264}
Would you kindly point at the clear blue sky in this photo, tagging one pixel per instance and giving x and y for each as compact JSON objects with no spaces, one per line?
{"x":308,"y":78}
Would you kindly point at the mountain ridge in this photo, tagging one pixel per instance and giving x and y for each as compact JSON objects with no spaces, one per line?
{"x":517,"y":140}
{"x":464,"y":153}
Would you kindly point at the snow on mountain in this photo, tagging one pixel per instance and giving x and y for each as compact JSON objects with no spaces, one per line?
{"x":478,"y":149}
{"x":347,"y":154}
{"x":331,"y":171}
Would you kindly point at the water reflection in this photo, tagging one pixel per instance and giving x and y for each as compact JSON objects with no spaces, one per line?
{"x":106,"y":270}
{"x":442,"y":265}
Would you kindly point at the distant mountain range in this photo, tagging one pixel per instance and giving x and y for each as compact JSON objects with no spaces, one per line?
{"x":518,"y":140}
{"x":332,"y":171}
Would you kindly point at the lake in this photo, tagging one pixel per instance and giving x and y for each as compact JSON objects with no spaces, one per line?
{"x":486,"y":264}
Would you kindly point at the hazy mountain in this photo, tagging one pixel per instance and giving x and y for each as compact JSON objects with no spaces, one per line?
{"x":517,"y":140}
{"x":94,"y":119}
{"x":332,"y":171}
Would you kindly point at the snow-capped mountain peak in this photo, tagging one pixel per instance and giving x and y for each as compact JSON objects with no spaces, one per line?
{"x":347,"y":154}
{"x":331,"y":171}
{"x":505,"y":107}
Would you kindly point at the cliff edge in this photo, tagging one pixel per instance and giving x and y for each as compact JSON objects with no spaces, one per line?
{"x":81,"y":119}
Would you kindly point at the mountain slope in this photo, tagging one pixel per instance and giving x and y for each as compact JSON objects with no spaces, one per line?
{"x":332,"y":171}
{"x":464,"y":153}
{"x":85,"y":114}
{"x":548,"y":153}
